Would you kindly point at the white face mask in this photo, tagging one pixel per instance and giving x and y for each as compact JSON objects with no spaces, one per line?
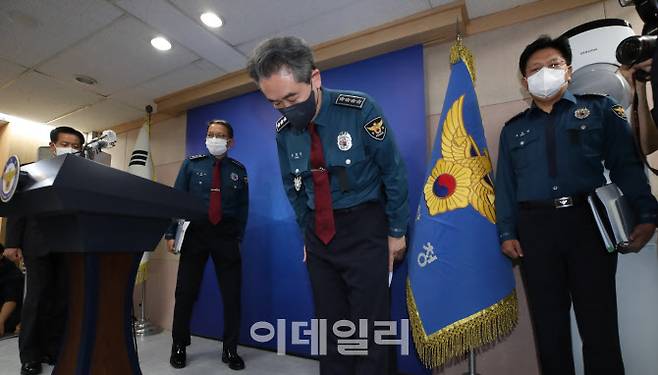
{"x":546,"y":82}
{"x":216,"y":146}
{"x":64,"y":150}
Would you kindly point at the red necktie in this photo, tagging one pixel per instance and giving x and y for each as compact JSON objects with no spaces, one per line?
{"x":215,"y":208}
{"x":324,"y":213}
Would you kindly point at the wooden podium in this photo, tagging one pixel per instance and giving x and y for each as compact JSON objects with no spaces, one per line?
{"x":102,"y":220}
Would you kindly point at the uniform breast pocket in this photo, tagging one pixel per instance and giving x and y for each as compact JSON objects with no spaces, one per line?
{"x":525,"y":150}
{"x":199,"y":182}
{"x":347,"y":168}
{"x":590,"y":139}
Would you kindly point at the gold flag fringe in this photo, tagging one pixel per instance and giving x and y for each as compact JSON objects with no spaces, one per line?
{"x":458,"y":51}
{"x":454,"y":341}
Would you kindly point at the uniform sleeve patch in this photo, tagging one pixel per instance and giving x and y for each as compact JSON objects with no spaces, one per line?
{"x":619,"y":111}
{"x":353,"y":101}
{"x":376,"y":128}
{"x":281,"y":123}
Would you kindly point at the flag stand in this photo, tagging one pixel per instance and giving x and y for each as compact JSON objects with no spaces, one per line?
{"x":142,"y":326}
{"x":471,"y":363}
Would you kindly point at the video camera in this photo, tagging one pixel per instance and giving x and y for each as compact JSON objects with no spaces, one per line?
{"x":638,"y":48}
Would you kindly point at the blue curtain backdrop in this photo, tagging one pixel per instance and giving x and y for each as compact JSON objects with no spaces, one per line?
{"x":275,"y":281}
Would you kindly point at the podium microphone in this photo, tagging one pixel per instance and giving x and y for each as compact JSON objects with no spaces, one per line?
{"x":106,"y":140}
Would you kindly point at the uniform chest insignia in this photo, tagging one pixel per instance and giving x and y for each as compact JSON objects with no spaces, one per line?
{"x":296,"y":155}
{"x":234,"y":176}
{"x":297,"y":182}
{"x":582,"y":113}
{"x":376,"y":128}
{"x":344,"y":141}
{"x":353,"y":101}
{"x":619,"y":111}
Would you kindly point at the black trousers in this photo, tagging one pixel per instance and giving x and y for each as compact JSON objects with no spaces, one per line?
{"x":220,"y":242}
{"x":349,"y":278}
{"x":565,"y":261}
{"x":43,"y":317}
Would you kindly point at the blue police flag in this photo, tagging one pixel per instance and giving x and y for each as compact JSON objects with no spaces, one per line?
{"x":460,"y":290}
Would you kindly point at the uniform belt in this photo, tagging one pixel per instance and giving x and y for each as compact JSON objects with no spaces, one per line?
{"x":562,"y":202}
{"x":358,"y":207}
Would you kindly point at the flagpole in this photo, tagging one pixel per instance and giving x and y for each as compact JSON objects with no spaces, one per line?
{"x":471,"y":363}
{"x":142,"y":326}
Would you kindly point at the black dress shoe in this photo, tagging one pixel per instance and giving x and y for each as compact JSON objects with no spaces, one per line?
{"x":178,"y":357}
{"x":233,"y":359}
{"x":31,"y":368}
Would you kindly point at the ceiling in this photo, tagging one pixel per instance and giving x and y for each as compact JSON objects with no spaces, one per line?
{"x":45,"y":43}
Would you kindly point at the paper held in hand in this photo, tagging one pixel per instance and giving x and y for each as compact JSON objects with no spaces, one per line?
{"x":180,"y":234}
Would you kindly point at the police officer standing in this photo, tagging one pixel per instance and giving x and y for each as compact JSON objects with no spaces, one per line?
{"x":222,"y":183}
{"x":43,"y":316}
{"x":551,"y":157}
{"x":347,"y":184}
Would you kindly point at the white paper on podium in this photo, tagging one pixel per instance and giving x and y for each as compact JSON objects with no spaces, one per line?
{"x":180,"y":234}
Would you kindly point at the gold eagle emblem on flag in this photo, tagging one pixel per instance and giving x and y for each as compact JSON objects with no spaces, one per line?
{"x":462,"y":176}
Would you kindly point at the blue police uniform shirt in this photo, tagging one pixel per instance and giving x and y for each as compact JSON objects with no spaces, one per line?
{"x":591,"y":132}
{"x":360,"y":153}
{"x":195,"y":177}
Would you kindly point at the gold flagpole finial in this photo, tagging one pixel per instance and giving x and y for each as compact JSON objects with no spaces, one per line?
{"x":458,"y":51}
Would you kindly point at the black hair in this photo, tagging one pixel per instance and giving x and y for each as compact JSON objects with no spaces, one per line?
{"x":54,"y":134}
{"x":275,"y":53}
{"x":223,"y":123}
{"x":543,"y":42}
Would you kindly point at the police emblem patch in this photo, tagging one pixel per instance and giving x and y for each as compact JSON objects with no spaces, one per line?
{"x":582,"y":113}
{"x":344,"y":141}
{"x":10,"y":175}
{"x":234,"y":176}
{"x":619,"y":111}
{"x":376,"y":128}
{"x":297,"y":181}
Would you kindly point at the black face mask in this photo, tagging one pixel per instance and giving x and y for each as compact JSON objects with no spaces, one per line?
{"x":300,"y":114}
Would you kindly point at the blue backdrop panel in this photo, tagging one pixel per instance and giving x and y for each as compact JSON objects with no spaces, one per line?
{"x":275,"y":281}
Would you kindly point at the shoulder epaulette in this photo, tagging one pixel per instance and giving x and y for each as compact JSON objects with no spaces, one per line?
{"x":195,"y":157}
{"x":281,"y":123}
{"x":350,"y":100}
{"x":240,"y":165}
{"x":516,"y":116}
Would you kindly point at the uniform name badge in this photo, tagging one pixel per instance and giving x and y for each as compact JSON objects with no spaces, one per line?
{"x":10,"y":175}
{"x":297,"y":181}
{"x":344,"y":141}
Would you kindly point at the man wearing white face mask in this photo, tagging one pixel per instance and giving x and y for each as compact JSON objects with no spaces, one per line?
{"x":44,"y":308}
{"x":222,"y":183}
{"x":551,"y":157}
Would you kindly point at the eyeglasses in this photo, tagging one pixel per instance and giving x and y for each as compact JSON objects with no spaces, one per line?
{"x":550,"y":65}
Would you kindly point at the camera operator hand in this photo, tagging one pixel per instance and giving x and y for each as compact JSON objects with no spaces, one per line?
{"x":628,"y":71}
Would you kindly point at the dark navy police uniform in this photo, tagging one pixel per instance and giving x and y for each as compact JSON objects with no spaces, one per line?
{"x":349,"y":275}
{"x":43,"y":315}
{"x":547,"y":164}
{"x":221,"y":241}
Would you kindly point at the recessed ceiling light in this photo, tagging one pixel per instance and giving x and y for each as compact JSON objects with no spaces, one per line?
{"x":211,"y":20}
{"x":86,"y":80}
{"x":161,"y":43}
